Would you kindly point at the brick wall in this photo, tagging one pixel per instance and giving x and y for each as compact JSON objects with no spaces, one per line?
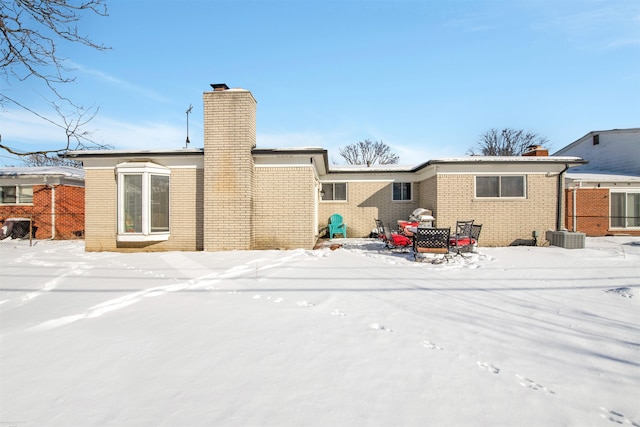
{"x":69,"y":212}
{"x":186,"y":213}
{"x":100,"y":210}
{"x":367,"y":201}
{"x":428,"y":196}
{"x":592,"y":212}
{"x":186,"y":210}
{"x":68,"y":215}
{"x":284,"y":213}
{"x":504,"y":222}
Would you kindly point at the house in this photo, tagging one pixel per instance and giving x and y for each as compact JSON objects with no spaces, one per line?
{"x":231,"y":195}
{"x":51,"y":198}
{"x":603,"y":196}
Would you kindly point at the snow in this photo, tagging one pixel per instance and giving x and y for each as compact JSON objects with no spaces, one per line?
{"x":66,"y":171}
{"x":357,"y":336}
{"x":601,"y":177}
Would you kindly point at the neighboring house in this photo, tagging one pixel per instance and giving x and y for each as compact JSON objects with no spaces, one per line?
{"x":603,"y":196}
{"x":51,"y":197}
{"x":231,"y":195}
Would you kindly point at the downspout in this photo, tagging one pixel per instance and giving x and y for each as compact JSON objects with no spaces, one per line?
{"x":560,"y":197}
{"x":53,"y":212}
{"x":575,"y":213}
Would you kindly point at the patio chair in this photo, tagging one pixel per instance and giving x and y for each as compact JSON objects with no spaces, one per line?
{"x":475,"y":234}
{"x":392,"y":240}
{"x":429,"y":240}
{"x":337,"y":226}
{"x":462,"y":240}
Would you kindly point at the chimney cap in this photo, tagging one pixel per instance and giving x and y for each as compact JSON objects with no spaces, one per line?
{"x":219,"y":86}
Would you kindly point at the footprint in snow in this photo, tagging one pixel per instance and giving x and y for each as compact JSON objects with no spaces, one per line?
{"x":430,"y":345}
{"x":617,"y":417}
{"x":489,"y":367}
{"x":379,"y":327}
{"x":623,"y":292}
{"x":526,"y":382}
{"x":304,"y":304}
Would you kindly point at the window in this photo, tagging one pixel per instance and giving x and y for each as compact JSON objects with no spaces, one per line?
{"x":143,"y":202}
{"x":625,"y":210}
{"x":16,"y":195}
{"x":596,"y":139}
{"x":401,"y":191}
{"x":500,"y":186}
{"x":334,"y":191}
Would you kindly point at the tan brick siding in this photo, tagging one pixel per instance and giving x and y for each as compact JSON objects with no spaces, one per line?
{"x":367,"y":201}
{"x":100,"y":209}
{"x":428,"y":196}
{"x":186,"y":213}
{"x":186,"y":210}
{"x":504,"y":222}
{"x":284,"y":208}
{"x":592,"y":212}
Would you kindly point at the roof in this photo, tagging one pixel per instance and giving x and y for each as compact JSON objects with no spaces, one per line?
{"x":124,"y":153}
{"x":372,"y":168}
{"x":318,"y":151}
{"x":601,"y":177}
{"x":39,"y":171}
{"x":575,"y":161}
{"x":590,"y":134}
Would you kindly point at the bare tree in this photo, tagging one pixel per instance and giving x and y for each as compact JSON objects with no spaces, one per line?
{"x":30,"y":33}
{"x":506,"y":142}
{"x":44,"y":160}
{"x":368,"y":153}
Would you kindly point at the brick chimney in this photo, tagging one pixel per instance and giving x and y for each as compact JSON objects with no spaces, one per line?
{"x":229,"y":137}
{"x":536,"y":151}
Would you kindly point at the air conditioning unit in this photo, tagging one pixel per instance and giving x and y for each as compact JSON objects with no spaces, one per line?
{"x":566,"y":239}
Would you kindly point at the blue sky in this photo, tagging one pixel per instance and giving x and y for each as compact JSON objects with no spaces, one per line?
{"x":426,"y":77}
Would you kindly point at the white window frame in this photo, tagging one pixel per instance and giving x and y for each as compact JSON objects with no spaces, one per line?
{"x":346,"y":191}
{"x":393,"y":199}
{"x":626,"y":201}
{"x":145,"y":170}
{"x":500,"y":196}
{"x":18,"y":194}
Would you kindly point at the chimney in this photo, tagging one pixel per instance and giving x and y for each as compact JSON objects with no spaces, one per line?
{"x":229,"y":183}
{"x":536,"y":151}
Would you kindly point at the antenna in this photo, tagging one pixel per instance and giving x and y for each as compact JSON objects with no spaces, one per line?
{"x":188,"y":111}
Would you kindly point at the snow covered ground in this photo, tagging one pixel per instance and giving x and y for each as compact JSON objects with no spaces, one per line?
{"x":359,"y":336}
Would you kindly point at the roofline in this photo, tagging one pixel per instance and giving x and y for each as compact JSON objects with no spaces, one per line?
{"x":32,"y":172}
{"x":84,"y":154}
{"x":371,"y":170}
{"x":503,"y":160}
{"x":292,"y":151}
{"x":594,"y":132}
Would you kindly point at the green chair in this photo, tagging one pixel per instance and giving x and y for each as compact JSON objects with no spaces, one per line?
{"x":336,"y":226}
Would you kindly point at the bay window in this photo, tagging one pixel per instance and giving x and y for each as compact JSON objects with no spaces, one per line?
{"x":143,"y":202}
